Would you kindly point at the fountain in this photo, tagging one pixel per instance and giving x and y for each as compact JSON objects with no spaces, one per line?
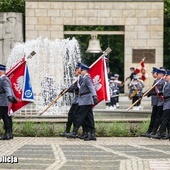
{"x":51,"y":70}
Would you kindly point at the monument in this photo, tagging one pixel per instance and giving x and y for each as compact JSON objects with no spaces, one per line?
{"x":142,"y":22}
{"x":11,"y":32}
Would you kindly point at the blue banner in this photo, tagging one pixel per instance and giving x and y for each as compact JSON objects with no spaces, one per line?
{"x":27,"y":94}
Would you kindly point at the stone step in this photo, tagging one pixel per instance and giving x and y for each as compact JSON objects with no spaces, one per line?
{"x":97,"y":120}
{"x":100,"y":115}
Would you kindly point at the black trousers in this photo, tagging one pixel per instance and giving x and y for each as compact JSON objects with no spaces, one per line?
{"x":85,"y":117}
{"x":6,"y":118}
{"x":158,"y":118}
{"x":134,"y":99}
{"x":165,"y":121}
{"x":112,"y":101}
{"x":71,"y":117}
{"x":117,"y":99}
{"x":153,"y":118}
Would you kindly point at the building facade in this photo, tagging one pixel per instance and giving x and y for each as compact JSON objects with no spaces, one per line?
{"x":142,"y":21}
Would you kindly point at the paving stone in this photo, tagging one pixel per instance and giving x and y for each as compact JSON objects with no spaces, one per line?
{"x":139,"y":152}
{"x":165,"y":148}
{"x":104,"y":154}
{"x":23,"y":166}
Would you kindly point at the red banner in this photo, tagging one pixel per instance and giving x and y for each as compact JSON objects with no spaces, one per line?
{"x":141,"y":70}
{"x":16,"y":76}
{"x":98,"y":75}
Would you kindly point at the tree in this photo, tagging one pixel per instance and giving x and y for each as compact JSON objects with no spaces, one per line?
{"x":115,"y":42}
{"x":167,"y":33}
{"x":12,"y":6}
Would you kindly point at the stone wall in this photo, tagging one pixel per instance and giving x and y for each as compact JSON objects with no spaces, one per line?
{"x":143,"y":22}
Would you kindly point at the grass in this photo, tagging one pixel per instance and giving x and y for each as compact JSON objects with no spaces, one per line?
{"x":114,"y":129}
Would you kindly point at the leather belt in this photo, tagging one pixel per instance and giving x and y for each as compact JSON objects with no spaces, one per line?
{"x":2,"y":92}
{"x":84,"y":93}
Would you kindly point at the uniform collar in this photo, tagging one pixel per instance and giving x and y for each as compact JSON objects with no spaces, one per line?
{"x":85,"y":75}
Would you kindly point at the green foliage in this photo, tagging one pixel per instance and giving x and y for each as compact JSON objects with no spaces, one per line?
{"x":167,"y":33}
{"x":115,"y":42}
{"x":102,"y":129}
{"x":31,"y":129}
{"x":116,"y":129}
{"x":12,"y":6}
{"x":143,"y":127}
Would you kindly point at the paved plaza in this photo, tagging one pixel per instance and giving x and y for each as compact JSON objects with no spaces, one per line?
{"x":115,"y":153}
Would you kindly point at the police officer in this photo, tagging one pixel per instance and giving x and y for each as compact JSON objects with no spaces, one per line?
{"x":166,"y":111}
{"x":87,"y":98}
{"x":134,"y":92}
{"x":154,"y":102}
{"x":159,"y":89}
{"x":71,"y":117}
{"x":6,"y":96}
{"x":119,"y":85}
{"x":113,"y":94}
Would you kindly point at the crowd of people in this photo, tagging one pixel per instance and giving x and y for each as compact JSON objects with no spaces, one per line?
{"x":81,"y":112}
{"x":135,"y":87}
{"x":159,"y":127}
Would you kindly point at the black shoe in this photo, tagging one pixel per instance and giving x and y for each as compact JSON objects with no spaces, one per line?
{"x":91,"y":136}
{"x":166,"y":137}
{"x":11,"y":136}
{"x":151,"y":134}
{"x":83,"y":136}
{"x":158,"y":136}
{"x":6,"y":137}
{"x":63,"y":134}
{"x":71,"y":135}
{"x":147,"y":134}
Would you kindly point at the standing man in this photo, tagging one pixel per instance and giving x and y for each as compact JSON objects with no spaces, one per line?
{"x":166,"y":111}
{"x":87,"y":98}
{"x":118,"y":84}
{"x":132,"y":69}
{"x":6,"y":96}
{"x":113,"y":94}
{"x":134,"y":91}
{"x":154,"y":102}
{"x":159,"y":92}
{"x":71,"y":117}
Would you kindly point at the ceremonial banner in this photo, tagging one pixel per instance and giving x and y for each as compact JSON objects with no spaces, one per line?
{"x":142,"y":70}
{"x":98,"y":73}
{"x":21,"y":85}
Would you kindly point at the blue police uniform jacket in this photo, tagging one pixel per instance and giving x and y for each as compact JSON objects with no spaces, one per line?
{"x":5,"y":90}
{"x":160,"y":86}
{"x":154,"y":97}
{"x":166,"y":94}
{"x":74,"y":88}
{"x":86,"y":91}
